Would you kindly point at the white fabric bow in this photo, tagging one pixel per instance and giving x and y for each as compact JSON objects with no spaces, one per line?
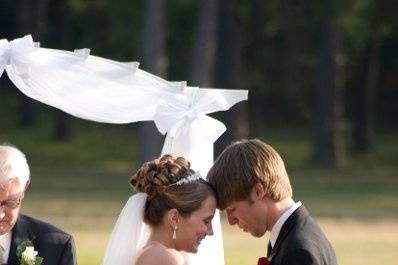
{"x":189,"y":130}
{"x":13,"y":54}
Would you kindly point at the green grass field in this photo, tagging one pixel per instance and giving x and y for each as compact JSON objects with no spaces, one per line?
{"x":362,"y":226}
{"x":82,"y":185}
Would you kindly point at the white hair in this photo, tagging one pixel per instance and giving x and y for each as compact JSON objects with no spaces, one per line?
{"x":13,"y":164}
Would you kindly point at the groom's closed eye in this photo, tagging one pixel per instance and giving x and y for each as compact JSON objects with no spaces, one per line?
{"x":230,"y":209}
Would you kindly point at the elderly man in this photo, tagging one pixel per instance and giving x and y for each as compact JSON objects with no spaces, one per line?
{"x":17,"y":231}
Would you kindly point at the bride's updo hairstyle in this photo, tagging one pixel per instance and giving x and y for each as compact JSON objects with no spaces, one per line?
{"x":164,"y":180}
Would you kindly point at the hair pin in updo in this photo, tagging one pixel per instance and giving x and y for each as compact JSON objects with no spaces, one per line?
{"x":191,"y":178}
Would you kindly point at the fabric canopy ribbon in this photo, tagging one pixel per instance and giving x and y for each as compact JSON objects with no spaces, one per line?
{"x":85,"y":86}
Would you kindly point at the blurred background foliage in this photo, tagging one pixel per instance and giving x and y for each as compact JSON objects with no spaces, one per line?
{"x":330,"y":66}
{"x":322,"y":79}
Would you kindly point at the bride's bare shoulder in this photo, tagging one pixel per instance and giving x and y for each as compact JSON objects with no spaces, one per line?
{"x":154,"y":253}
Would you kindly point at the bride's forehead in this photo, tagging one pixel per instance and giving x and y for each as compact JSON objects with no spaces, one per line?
{"x":208,"y":206}
{"x":201,"y":214}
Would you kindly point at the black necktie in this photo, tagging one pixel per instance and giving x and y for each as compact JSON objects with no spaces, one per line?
{"x":269,"y":249}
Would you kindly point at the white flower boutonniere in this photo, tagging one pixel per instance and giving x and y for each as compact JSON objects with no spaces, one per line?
{"x":27,"y":255}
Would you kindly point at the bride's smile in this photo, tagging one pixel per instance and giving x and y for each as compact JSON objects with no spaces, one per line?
{"x":175,"y":203}
{"x":197,"y":226}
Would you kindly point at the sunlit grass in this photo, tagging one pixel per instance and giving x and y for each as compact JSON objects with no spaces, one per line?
{"x":363,"y":242}
{"x":356,"y":242}
{"x":358,"y":212}
{"x":81,"y":186}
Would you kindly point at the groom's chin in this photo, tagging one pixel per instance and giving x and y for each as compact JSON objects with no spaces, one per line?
{"x":257,"y":233}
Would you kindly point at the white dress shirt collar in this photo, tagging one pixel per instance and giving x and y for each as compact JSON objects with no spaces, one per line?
{"x":278,"y":225}
{"x":5,"y":242}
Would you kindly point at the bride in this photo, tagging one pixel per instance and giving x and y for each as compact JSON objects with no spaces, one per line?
{"x":176,"y":205}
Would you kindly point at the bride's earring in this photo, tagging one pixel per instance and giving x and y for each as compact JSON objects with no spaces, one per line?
{"x":175,"y":232}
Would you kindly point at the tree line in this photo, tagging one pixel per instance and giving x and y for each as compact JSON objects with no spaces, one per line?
{"x":330,"y":65}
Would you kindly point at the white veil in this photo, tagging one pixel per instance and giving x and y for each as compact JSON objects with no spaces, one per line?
{"x":129,"y":234}
{"x":104,"y":90}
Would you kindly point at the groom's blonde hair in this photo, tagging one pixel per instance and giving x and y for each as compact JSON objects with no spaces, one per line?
{"x":243,"y":164}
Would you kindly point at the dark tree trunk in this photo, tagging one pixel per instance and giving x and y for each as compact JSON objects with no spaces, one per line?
{"x":32,"y":19}
{"x":329,"y":102}
{"x":41,"y":15}
{"x":290,"y":90}
{"x":366,"y":100}
{"x":154,"y":61}
{"x":228,"y":71}
{"x":205,"y":45}
{"x":62,"y":126}
{"x":62,"y":131}
{"x":255,"y":59}
{"x":26,"y":115}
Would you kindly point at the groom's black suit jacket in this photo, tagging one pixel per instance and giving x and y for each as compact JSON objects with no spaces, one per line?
{"x":302,"y":242}
{"x":53,"y":245}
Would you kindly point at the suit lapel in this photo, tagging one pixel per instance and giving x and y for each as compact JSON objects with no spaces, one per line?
{"x":20,"y":233}
{"x":297,"y":216}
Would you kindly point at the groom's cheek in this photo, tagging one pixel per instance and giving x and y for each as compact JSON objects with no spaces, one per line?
{"x":230,"y":218}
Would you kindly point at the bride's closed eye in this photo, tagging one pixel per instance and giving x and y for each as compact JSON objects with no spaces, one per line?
{"x":207,"y":221}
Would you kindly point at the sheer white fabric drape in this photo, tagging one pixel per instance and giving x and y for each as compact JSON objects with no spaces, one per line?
{"x":103,"y":90}
{"x":82,"y":85}
{"x":129,"y":234}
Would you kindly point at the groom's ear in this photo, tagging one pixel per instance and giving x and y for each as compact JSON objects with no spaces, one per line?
{"x":258,"y":191}
{"x":173,"y":217}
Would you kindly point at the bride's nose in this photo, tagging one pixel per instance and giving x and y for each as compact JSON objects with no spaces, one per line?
{"x":209,"y":231}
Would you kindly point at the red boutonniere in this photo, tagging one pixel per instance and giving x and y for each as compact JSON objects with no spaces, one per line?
{"x":262,"y":261}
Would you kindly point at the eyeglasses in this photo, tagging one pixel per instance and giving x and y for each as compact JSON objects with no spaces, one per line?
{"x":11,"y":204}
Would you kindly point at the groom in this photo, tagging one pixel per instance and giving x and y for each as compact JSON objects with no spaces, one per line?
{"x":252,"y":184}
{"x":52,"y":244}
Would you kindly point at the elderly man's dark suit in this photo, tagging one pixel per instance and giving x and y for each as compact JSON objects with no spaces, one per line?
{"x":301,"y":242}
{"x":53,"y":245}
